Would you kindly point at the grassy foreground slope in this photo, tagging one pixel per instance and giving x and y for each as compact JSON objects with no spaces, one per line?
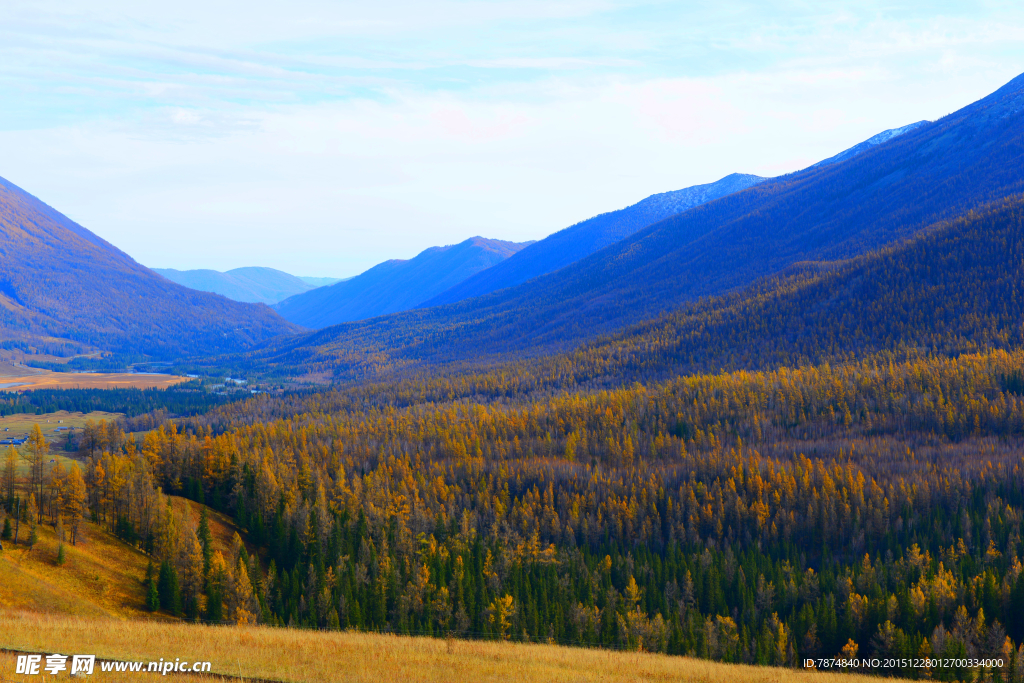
{"x":292,"y":655}
{"x":102,"y":576}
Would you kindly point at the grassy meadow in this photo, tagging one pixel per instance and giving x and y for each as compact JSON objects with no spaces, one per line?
{"x":101,"y":575}
{"x":86,"y":380}
{"x":295,"y":655}
{"x":21,"y":423}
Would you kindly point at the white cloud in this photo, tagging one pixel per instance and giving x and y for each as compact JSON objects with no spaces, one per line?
{"x":330,"y":137}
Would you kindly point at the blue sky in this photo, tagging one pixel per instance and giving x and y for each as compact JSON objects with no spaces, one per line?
{"x":323,"y":137}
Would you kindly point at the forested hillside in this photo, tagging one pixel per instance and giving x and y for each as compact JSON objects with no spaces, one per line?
{"x":866,"y":508}
{"x":396,"y":285}
{"x":955,"y":289}
{"x":884,"y":195}
{"x":58,"y":280}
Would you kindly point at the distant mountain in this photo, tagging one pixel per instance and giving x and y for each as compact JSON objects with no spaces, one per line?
{"x":251,"y":285}
{"x":887,"y":193}
{"x":62,"y":285}
{"x":396,"y":285}
{"x":322,"y":281}
{"x":570,"y":245}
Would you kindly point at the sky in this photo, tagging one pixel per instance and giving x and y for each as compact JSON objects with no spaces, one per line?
{"x":322,"y":137}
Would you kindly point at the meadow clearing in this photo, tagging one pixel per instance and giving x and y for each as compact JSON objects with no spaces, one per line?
{"x":101,"y":576}
{"x":36,"y":379}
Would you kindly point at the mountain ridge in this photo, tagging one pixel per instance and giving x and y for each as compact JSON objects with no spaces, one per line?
{"x":584,"y":238}
{"x":251,"y":284}
{"x":881,"y":196}
{"x":67,"y":288}
{"x":395,"y":285}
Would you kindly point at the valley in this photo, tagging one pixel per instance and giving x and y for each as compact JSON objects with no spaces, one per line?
{"x":708,"y":436}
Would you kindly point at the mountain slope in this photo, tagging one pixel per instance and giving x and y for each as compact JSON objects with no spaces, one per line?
{"x":958,"y":288}
{"x":873,"y":141}
{"x":58,"y":280}
{"x":884,"y":195}
{"x":396,"y":285}
{"x":570,"y":245}
{"x":251,"y":285}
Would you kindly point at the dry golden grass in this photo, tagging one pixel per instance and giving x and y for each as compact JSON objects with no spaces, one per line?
{"x":21,"y":423}
{"x":292,"y":655}
{"x":222,"y":527}
{"x":87,"y":380}
{"x":101,"y":576}
{"x":9,"y":661}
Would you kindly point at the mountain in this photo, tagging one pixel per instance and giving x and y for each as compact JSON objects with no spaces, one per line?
{"x":884,"y":195}
{"x":958,"y":288}
{"x":396,"y":285}
{"x":64,"y":288}
{"x":571,"y":244}
{"x":251,"y":285}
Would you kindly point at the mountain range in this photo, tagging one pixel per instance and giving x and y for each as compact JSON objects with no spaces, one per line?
{"x":252,"y":284}
{"x":573,"y":243}
{"x":396,"y":285}
{"x":885,"y":194}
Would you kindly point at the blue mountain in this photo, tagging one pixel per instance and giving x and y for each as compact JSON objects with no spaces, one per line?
{"x":883,"y":195}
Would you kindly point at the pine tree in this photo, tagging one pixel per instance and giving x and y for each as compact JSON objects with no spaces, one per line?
{"x":215,"y":589}
{"x":7,"y":532}
{"x":73,"y":501}
{"x":244,"y":601}
{"x":169,"y":589}
{"x":152,"y":597}
{"x":9,"y":477}
{"x":192,"y":574}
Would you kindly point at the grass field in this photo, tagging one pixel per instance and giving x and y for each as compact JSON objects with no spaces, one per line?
{"x":101,"y":575}
{"x":294,"y":655}
{"x":21,"y":423}
{"x":22,"y":379}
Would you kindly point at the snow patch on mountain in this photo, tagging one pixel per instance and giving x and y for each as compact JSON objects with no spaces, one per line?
{"x":873,"y":141}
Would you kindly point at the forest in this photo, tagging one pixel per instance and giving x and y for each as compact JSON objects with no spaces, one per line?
{"x":871,"y":507}
{"x":829,"y":463}
{"x":145,"y":405}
